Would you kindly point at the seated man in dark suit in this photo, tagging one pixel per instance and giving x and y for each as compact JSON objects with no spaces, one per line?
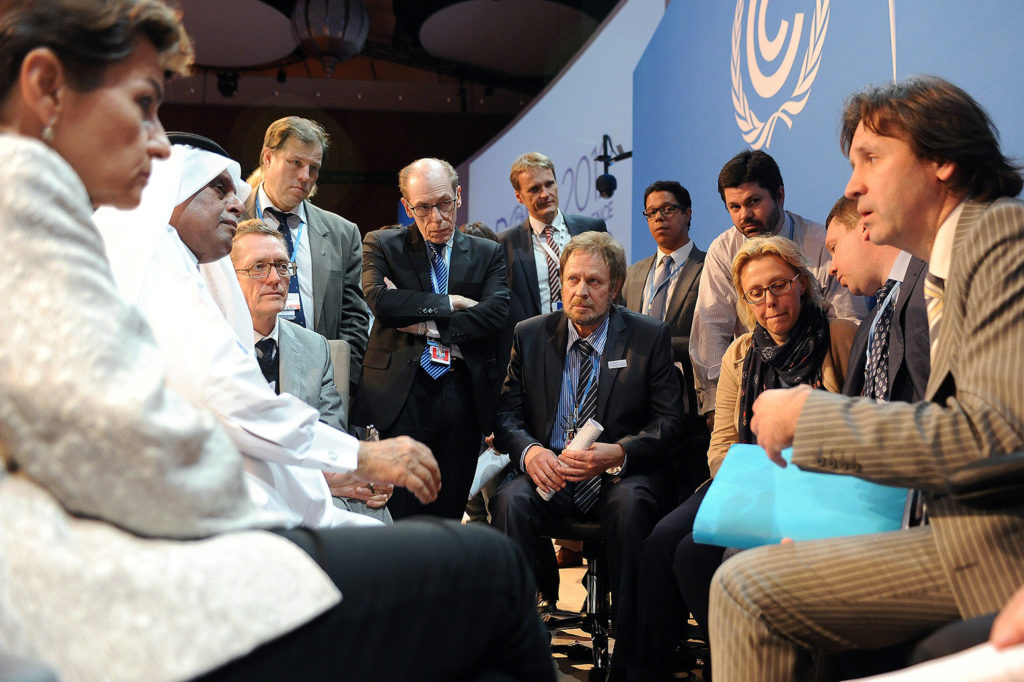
{"x":294,"y":359}
{"x":889,"y":359}
{"x":591,"y":359}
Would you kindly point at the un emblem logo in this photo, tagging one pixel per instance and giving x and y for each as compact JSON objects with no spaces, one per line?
{"x":751,"y":45}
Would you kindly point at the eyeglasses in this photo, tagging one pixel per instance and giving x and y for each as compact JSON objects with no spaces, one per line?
{"x":666,"y":211}
{"x":262,"y":270}
{"x":778,"y":287}
{"x":424,"y":211}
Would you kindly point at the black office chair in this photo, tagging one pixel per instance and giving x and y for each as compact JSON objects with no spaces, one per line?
{"x":597,"y":612}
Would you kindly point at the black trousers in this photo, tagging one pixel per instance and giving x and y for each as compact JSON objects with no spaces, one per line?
{"x":424,"y":600}
{"x":628,"y":510}
{"x":441,"y":414}
{"x":661,"y":610}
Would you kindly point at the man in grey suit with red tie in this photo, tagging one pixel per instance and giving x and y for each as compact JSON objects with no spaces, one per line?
{"x":439,"y":302}
{"x":928,"y":177}
{"x":533,"y":248}
{"x":592,"y":359}
{"x":889,"y":359}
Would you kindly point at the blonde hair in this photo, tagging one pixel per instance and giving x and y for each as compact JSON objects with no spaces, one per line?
{"x":605,"y":246}
{"x":790,"y":253}
{"x":529,"y":161}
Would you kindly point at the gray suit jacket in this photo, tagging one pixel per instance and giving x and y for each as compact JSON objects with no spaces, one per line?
{"x":339,"y":311}
{"x":522,"y":268}
{"x":678,"y":312}
{"x":306,"y":372}
{"x":909,"y":347}
{"x":974,"y":408}
{"x":106,"y":471}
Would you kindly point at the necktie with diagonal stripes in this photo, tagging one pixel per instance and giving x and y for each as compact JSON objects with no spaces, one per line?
{"x":933,"y":289}
{"x":436,"y":370}
{"x":585,"y":493}
{"x":554,"y":283}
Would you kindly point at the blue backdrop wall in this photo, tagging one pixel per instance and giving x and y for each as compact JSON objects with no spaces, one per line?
{"x":719,"y":77}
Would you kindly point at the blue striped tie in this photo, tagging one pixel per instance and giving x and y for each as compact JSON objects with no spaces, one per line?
{"x":585,"y":493}
{"x":434,"y":369}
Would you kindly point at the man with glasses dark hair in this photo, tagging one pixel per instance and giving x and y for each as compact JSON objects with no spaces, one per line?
{"x":751,"y":187}
{"x":439,"y":302}
{"x":665,"y":284}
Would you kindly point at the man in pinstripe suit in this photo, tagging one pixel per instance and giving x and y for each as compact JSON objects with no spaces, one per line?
{"x":928,"y":177}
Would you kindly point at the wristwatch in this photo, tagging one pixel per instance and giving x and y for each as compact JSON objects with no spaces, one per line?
{"x":614,"y":471}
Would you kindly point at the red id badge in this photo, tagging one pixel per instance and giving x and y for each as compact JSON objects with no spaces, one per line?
{"x":439,"y":353}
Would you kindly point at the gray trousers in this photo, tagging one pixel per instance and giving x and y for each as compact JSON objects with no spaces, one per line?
{"x":774,"y":608}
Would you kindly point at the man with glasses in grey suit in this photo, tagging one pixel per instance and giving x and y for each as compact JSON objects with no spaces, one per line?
{"x":928,"y":177}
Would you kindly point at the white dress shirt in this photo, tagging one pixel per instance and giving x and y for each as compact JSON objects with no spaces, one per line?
{"x":679,"y":257}
{"x":302,"y":259}
{"x":715,"y":320}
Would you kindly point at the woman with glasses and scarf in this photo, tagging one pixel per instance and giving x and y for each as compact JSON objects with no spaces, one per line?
{"x":792,"y":342}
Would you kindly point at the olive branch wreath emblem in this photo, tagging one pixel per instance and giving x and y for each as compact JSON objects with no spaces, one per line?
{"x":756,"y":133}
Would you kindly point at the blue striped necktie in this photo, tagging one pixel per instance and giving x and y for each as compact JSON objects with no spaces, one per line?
{"x":436,"y":370}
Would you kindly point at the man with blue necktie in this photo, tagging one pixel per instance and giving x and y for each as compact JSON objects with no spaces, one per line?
{"x":591,"y":359}
{"x":439,"y":302}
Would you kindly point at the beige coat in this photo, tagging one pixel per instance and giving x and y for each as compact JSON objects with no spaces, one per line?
{"x":125,"y":552}
{"x":727,"y":402}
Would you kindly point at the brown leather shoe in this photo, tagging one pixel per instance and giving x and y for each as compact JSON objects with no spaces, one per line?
{"x":568,"y":557}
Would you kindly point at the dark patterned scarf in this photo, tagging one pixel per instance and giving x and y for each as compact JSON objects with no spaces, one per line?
{"x":797,"y":361}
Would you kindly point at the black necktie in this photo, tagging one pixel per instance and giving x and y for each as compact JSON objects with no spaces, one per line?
{"x":876,"y":371}
{"x":585,"y":493}
{"x":266,"y":355}
{"x":293,"y":283}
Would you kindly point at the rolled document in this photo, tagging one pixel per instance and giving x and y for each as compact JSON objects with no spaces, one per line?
{"x":586,"y":437}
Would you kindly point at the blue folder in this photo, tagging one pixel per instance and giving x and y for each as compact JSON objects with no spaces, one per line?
{"x":752,"y":501}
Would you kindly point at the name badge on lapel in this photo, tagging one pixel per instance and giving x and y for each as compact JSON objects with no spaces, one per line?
{"x":617,"y":364}
{"x":439,"y":353}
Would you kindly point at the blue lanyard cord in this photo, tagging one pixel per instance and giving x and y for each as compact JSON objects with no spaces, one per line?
{"x":668,"y":281}
{"x":595,"y":364}
{"x":298,"y":236}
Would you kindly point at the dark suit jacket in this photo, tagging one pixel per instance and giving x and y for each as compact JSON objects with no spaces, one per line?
{"x":678,"y":312}
{"x":909,"y":346}
{"x":476,"y":270}
{"x":306,"y":372}
{"x":638,"y":405}
{"x":522,"y":268}
{"x":339,"y":311}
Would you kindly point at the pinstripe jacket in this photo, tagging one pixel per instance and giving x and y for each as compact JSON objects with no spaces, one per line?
{"x":974,"y":408}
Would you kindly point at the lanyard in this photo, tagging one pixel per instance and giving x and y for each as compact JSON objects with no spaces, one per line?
{"x":298,"y":236}
{"x":668,"y":280}
{"x":595,"y":364}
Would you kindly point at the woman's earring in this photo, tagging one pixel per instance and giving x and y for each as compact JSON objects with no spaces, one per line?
{"x":47,"y":133}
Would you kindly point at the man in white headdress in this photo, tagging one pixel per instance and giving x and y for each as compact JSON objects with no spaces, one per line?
{"x":169,"y":258}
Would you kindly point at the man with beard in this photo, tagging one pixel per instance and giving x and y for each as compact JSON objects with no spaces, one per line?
{"x":751,"y":186}
{"x":591,"y":359}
